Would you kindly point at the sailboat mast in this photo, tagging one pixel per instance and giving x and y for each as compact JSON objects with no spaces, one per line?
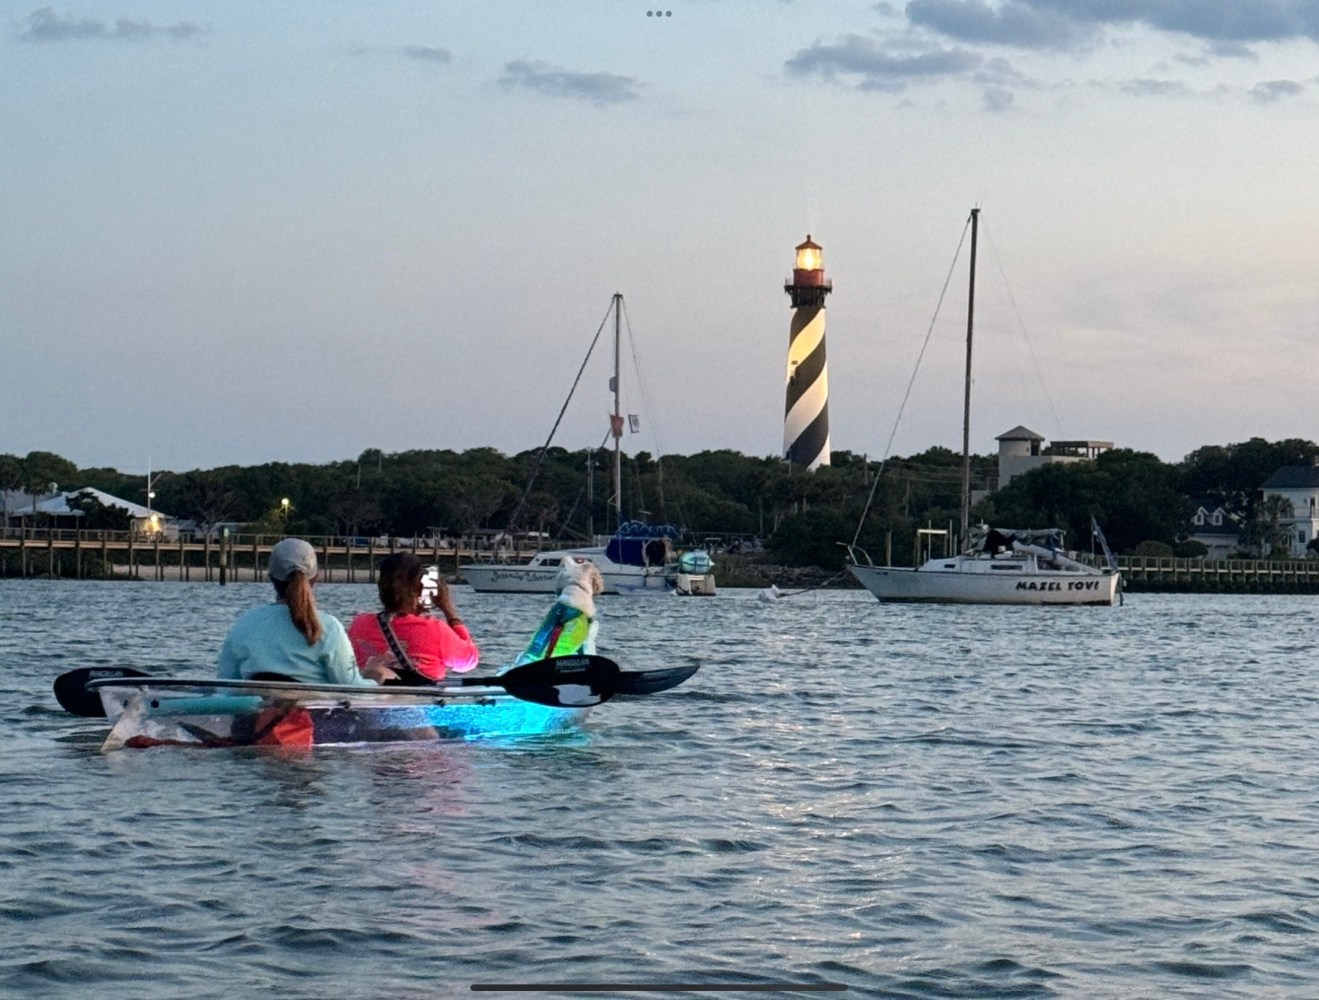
{"x":616,"y":419}
{"x":966,"y":402}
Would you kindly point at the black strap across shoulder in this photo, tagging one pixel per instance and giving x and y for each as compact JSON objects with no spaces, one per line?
{"x":407,"y":673}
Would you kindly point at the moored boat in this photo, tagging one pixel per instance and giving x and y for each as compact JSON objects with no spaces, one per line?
{"x":1004,"y":570}
{"x":638,"y":558}
{"x":1002,"y":567}
{"x":695,"y":574}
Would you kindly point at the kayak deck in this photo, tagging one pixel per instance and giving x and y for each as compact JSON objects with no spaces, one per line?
{"x":227,"y":713}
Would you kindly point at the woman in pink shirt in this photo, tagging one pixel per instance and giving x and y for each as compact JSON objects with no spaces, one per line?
{"x":427,"y":645}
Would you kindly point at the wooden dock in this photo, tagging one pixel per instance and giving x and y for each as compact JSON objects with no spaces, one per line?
{"x":1149,"y":574}
{"x":124,"y":555}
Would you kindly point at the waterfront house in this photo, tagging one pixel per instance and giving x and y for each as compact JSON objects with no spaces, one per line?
{"x":18,"y":504}
{"x":1215,"y":529}
{"x":144,"y":521}
{"x":1299,"y":486}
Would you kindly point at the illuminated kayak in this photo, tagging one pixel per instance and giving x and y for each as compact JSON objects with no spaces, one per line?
{"x":545,"y":696}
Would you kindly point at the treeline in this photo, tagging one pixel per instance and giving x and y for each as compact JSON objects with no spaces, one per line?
{"x":803,"y":518}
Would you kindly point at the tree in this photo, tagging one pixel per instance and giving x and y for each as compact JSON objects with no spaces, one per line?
{"x":44,"y":471}
{"x":11,"y":478}
{"x":1266,"y":533}
{"x":206,"y":497}
{"x":97,"y":516}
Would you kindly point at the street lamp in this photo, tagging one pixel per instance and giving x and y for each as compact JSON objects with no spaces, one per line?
{"x":152,"y":521}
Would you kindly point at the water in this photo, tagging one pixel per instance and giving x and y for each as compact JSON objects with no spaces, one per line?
{"x":911,"y":802}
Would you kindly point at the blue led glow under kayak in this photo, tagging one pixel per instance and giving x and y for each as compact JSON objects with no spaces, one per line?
{"x":545,"y":696}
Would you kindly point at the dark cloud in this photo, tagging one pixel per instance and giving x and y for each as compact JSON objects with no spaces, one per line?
{"x":44,"y":25}
{"x":598,"y":88}
{"x":1018,"y":24}
{"x":869,"y":67}
{"x":1071,"y":23}
{"x":1215,"y":20}
{"x":1274,"y":90}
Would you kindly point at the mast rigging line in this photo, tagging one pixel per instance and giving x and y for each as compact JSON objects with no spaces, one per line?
{"x":929,"y":333}
{"x":540,"y":458}
{"x":648,"y":410}
{"x":1030,"y":347}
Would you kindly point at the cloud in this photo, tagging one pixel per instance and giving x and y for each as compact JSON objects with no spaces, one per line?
{"x":44,"y":25}
{"x":1019,"y":24}
{"x":1274,"y":90}
{"x":997,"y":99}
{"x":1061,"y":24}
{"x":858,"y":57}
{"x":427,"y":53}
{"x":1153,"y":88}
{"x":432,"y":54}
{"x":599,"y":88}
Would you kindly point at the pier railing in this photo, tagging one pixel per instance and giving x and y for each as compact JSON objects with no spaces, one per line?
{"x":92,"y":554}
{"x":1245,"y":576}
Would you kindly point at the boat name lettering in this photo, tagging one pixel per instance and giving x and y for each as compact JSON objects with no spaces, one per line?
{"x":1057,"y":585}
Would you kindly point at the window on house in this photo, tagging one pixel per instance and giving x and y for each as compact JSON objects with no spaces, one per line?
{"x":1199,"y":517}
{"x":1218,"y":517}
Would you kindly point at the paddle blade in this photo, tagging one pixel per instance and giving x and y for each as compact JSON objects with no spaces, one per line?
{"x":652,"y":681}
{"x":72,"y":694}
{"x":562,"y":681}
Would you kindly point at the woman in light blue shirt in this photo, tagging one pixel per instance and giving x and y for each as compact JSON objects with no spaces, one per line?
{"x":291,"y":637}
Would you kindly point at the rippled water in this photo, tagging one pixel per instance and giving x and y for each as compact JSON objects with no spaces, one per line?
{"x":910,"y":802}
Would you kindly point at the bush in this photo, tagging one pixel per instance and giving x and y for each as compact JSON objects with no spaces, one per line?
{"x":1152,"y":549}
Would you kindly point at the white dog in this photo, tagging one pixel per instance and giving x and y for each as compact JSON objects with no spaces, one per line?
{"x":570,"y":626}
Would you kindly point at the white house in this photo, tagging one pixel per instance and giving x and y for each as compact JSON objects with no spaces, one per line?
{"x":144,"y":520}
{"x":1020,"y":450}
{"x":1214,"y":528}
{"x":1299,"y":485}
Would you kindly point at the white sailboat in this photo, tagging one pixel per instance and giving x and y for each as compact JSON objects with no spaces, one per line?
{"x":637,"y":558}
{"x":994,"y":566}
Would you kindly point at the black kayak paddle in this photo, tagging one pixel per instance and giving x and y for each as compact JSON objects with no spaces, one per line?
{"x":562,"y":681}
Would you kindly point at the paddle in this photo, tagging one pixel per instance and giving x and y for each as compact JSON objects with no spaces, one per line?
{"x":564,"y":681}
{"x":72,"y":694}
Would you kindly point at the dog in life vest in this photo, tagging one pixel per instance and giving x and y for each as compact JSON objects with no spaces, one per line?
{"x":569,"y":627}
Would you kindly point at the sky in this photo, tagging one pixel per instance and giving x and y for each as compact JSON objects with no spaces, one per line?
{"x":249,"y":232}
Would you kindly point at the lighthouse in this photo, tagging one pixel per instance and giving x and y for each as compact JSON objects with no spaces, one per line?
{"x":806,"y":412}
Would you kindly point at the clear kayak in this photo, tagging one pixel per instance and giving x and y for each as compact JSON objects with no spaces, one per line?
{"x":148,"y":712}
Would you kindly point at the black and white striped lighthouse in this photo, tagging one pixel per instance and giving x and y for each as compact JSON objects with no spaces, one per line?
{"x":806,"y":413}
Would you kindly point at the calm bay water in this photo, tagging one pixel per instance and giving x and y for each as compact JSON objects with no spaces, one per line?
{"x":912,"y":802}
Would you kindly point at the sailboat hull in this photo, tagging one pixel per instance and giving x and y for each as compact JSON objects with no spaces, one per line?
{"x":541,"y":574}
{"x":952,"y":582}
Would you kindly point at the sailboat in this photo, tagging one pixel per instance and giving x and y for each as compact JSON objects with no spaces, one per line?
{"x":637,"y":558}
{"x":995,"y":566}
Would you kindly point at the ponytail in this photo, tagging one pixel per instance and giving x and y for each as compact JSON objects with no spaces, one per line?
{"x":296,"y":593}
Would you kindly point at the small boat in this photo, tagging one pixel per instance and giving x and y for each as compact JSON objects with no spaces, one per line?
{"x":545,"y":696}
{"x":637,"y":559}
{"x":1002,"y":567}
{"x":695,"y":574}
